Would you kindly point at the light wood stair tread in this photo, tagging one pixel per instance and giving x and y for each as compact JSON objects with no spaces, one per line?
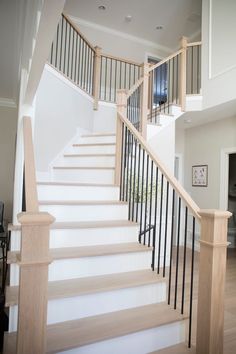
{"x":77,"y":333}
{"x":84,"y":224}
{"x":83,"y":286}
{"x":97,"y":134}
{"x":82,"y":168}
{"x":94,"y":144}
{"x":82,"y":202}
{"x":181,"y":348}
{"x":89,"y":155}
{"x":88,"y":251}
{"x":72,"y":184}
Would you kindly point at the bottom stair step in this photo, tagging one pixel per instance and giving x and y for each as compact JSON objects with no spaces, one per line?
{"x":181,"y":348}
{"x":83,"y":332}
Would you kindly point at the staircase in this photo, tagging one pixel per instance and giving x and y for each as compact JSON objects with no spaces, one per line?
{"x":103,"y":296}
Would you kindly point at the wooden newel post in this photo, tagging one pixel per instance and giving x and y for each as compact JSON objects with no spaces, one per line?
{"x":96,"y":77}
{"x":121,"y":108}
{"x":212,"y":269}
{"x":33,"y":284}
{"x":144,"y":110}
{"x":183,"y":76}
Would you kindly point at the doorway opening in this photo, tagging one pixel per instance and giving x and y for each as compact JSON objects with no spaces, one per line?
{"x":232,"y":200}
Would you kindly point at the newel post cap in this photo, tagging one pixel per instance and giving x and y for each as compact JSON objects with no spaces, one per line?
{"x":215,"y":214}
{"x":38,"y":218}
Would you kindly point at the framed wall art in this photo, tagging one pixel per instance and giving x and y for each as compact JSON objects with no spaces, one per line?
{"x":200,"y":176}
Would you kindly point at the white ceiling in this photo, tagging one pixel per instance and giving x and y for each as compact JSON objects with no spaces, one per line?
{"x":178,"y":17}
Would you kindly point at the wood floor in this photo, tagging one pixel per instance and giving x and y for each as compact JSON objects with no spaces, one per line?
{"x":230,"y":311}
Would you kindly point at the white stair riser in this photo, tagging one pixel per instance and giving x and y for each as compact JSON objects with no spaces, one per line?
{"x":142,"y":342}
{"x":53,"y":192}
{"x":88,"y":237}
{"x":60,"y":238}
{"x":99,"y":303}
{"x":97,"y":139}
{"x":87,"y":161}
{"x":94,"y":149}
{"x":84,"y":175}
{"x":90,"y":266}
{"x":87,"y":212}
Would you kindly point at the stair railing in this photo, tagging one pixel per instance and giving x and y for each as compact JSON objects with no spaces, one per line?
{"x":171,"y":223}
{"x":33,"y":260}
{"x":100,"y":75}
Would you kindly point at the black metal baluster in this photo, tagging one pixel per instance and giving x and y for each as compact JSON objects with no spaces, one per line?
{"x":105,"y":88}
{"x":155,"y":221}
{"x":82,"y":63}
{"x":177,"y":79}
{"x":146,"y":199}
{"x":137,"y":194}
{"x":166,"y":228}
{"x":131,"y":175}
{"x":191,"y":287}
{"x":150,"y":205}
{"x":115,"y":81}
{"x":192,"y":70}
{"x":168,"y":87}
{"x":141,"y":206}
{"x":57,"y":45}
{"x":160,"y":226}
{"x":65,"y":47}
{"x":184,"y":260}
{"x":79,"y":62}
{"x":72,"y":63}
{"x":68,"y":57}
{"x":124,"y":165}
{"x":76,"y":58}
{"x":177,"y":255}
{"x":134,"y":178}
{"x":110,"y":79}
{"x":85,"y":66}
{"x":62,"y":32}
{"x":127,"y":167}
{"x":171,"y":244}
{"x":120,"y":74}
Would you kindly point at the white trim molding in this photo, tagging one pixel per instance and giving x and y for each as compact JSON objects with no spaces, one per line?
{"x":7,"y":102}
{"x":210,"y":36}
{"x":80,"y":21}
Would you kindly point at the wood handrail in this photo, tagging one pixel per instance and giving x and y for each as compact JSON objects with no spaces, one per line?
{"x":194,"y":44}
{"x":31,"y":195}
{"x":123,"y":60}
{"x":134,"y":87}
{"x":78,"y":31}
{"x":165,"y":60}
{"x":172,"y":180}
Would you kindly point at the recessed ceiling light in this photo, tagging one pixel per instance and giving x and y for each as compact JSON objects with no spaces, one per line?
{"x":187,"y":121}
{"x":159,"y":27}
{"x":102,"y":7}
{"x":128,"y":18}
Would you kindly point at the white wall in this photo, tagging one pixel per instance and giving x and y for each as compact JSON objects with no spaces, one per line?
{"x":121,"y":46}
{"x":218,"y":51}
{"x":8,"y":126}
{"x":203,"y":146}
{"x":61,"y":108}
{"x":105,"y":118}
{"x":164,"y":146}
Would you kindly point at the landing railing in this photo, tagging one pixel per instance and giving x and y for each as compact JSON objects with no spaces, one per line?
{"x":98,"y":74}
{"x":168,"y":223}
